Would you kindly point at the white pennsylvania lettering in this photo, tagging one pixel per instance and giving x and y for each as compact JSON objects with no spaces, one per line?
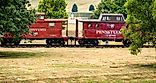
{"x":38,"y":29}
{"x":107,"y":32}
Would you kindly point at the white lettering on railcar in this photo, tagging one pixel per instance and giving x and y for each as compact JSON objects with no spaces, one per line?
{"x":108,"y":32}
{"x":38,"y":29}
{"x":111,"y":26}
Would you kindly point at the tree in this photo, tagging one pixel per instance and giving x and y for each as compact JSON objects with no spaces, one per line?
{"x":91,"y":8}
{"x":120,"y":7}
{"x":53,"y":8}
{"x":141,"y":22}
{"x":110,"y":6}
{"x":14,"y":17}
{"x":74,"y":8}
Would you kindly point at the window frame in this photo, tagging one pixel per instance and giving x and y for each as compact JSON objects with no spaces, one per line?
{"x":51,"y":25}
{"x":97,"y":25}
{"x":90,"y":25}
{"x":41,"y":17}
{"x":112,"y":18}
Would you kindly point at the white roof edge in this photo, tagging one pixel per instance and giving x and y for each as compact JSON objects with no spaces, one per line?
{"x":55,"y":19}
{"x":110,"y":14}
{"x":89,"y":20}
{"x":40,"y":13}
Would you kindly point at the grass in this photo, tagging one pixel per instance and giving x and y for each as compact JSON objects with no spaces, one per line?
{"x":12,"y":54}
{"x":119,"y":81}
{"x":144,"y":81}
{"x":75,"y":65}
{"x":149,"y":66}
{"x":88,"y":81}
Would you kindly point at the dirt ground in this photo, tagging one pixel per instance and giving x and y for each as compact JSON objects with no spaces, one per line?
{"x":65,"y":65}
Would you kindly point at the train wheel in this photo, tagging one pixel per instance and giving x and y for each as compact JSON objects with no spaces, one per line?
{"x":96,"y":42}
{"x":62,"y":42}
{"x":3,"y":42}
{"x":81,"y":43}
{"x":48,"y":42}
{"x":57,"y":42}
{"x":126,"y":43}
{"x":8,"y":41}
{"x":16,"y":43}
{"x":88,"y":43}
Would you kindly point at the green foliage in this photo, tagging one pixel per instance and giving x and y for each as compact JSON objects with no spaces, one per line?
{"x":11,"y":54}
{"x":14,"y":17}
{"x":53,"y":8}
{"x":74,"y":8}
{"x":91,"y":8}
{"x":110,"y":6}
{"x":141,"y":22}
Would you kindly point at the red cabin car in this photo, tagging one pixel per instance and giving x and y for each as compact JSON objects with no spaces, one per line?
{"x":49,"y":29}
{"x":107,"y":27}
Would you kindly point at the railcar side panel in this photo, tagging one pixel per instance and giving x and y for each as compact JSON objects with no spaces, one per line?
{"x":107,"y":28}
{"x":45,"y":29}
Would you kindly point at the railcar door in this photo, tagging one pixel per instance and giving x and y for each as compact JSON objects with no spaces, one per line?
{"x":54,"y":29}
{"x":89,"y":30}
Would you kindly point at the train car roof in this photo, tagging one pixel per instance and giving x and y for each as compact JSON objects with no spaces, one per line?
{"x":90,"y":20}
{"x":100,"y":18}
{"x":107,"y":14}
{"x":99,"y":21}
{"x":56,"y":19}
{"x":40,"y":13}
{"x":101,"y":15}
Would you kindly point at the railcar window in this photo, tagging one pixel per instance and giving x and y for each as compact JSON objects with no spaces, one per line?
{"x":52,"y":24}
{"x":40,"y":17}
{"x":108,"y":18}
{"x":104,"y":18}
{"x":64,"y":25}
{"x":112,"y":18}
{"x":97,"y":25}
{"x":118,"y":18}
{"x":89,"y":25}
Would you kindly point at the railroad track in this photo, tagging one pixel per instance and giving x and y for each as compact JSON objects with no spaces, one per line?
{"x":54,"y":46}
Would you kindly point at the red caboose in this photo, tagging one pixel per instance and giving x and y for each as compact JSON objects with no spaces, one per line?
{"x":49,"y":29}
{"x":107,"y":27}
